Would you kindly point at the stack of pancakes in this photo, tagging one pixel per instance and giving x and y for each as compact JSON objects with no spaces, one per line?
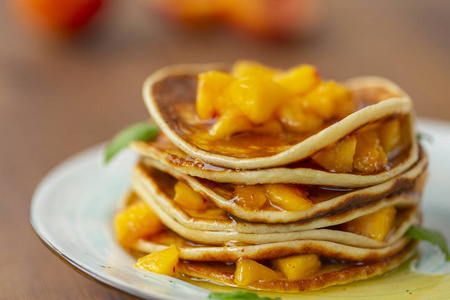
{"x":229,"y":228}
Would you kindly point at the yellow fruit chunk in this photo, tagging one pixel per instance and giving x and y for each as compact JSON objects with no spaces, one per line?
{"x":376,"y":225}
{"x":295,"y":118}
{"x":271,"y":126}
{"x":257,"y":97}
{"x":329,"y":100}
{"x":390,"y":135}
{"x":288,"y":197}
{"x":161,"y":262}
{"x":232,"y":121}
{"x":135,"y":222}
{"x":369,"y":155}
{"x":249,"y":271}
{"x":299,"y":80}
{"x":250,"y":196}
{"x":246,"y":68}
{"x":339,"y":157}
{"x":186,"y":197}
{"x":211,"y":94}
{"x":216,"y":213}
{"x":168,"y":238}
{"x":344,"y":104}
{"x":298,"y":266}
{"x":209,"y":213}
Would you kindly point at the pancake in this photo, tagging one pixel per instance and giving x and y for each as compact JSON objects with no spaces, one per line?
{"x":273,"y":250}
{"x":170,"y":96}
{"x":326,"y":243}
{"x":215,"y":226}
{"x":332,"y":273}
{"x":216,"y":263}
{"x":162,"y":154}
{"x":155,"y":186}
{"x":221,"y":237}
{"x":338,"y":261}
{"x":326,"y":201}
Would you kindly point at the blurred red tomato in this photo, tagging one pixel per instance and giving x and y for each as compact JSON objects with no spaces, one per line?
{"x":60,"y":15}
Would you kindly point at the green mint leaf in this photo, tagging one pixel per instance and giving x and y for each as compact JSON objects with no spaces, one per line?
{"x":142,"y":131}
{"x":238,"y":295}
{"x":423,"y":136}
{"x":432,"y":236}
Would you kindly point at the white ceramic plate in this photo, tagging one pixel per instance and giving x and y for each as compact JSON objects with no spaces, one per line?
{"x":73,"y":207}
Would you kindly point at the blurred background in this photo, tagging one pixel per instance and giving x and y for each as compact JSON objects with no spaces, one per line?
{"x":71,"y":74}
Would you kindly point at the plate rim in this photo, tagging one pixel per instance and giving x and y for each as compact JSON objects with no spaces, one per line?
{"x":106,"y":281}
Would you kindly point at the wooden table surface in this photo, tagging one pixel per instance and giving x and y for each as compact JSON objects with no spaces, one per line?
{"x":57,"y":98}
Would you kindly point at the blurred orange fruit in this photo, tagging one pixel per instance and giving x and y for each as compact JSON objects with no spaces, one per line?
{"x":64,"y":16}
{"x":261,"y":18}
{"x":271,"y":18}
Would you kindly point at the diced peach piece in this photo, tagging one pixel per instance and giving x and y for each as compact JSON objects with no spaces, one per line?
{"x":271,"y":126}
{"x":344,"y":104}
{"x":232,"y":121}
{"x":250,"y":196}
{"x":329,"y":100}
{"x":297,"y":267}
{"x":339,"y":157}
{"x":257,"y":97}
{"x":216,"y":213}
{"x":209,"y":213}
{"x":369,"y":155}
{"x":246,"y":68}
{"x":161,"y":262}
{"x":299,"y":80}
{"x":295,"y":118}
{"x":211,"y":93}
{"x":135,"y":222}
{"x":390,"y":135}
{"x":168,"y":238}
{"x":376,"y":225}
{"x":249,"y":271}
{"x":288,"y":197}
{"x":319,"y":101}
{"x":186,"y":197}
